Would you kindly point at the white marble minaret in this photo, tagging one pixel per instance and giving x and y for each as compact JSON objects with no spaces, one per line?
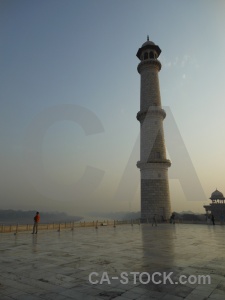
{"x":153,"y":164}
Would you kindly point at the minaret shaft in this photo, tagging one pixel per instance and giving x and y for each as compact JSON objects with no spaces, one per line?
{"x":150,"y":93}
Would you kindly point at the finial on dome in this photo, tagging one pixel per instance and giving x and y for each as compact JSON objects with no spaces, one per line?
{"x":147,"y":37}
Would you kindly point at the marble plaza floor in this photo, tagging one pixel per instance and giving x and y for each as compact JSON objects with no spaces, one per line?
{"x":57,"y":265}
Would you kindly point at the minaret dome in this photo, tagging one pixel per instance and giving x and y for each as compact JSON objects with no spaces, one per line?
{"x":148,"y":51}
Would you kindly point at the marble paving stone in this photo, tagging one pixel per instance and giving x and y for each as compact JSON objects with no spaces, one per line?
{"x":8,"y":290}
{"x":121,"y":298}
{"x":54,"y":265}
{"x":155,"y":294}
{"x":171,"y":297}
{"x":26,"y":297}
{"x":216,"y":297}
{"x":217,"y":292}
{"x":204,"y":293}
{"x":145,"y":297}
{"x":138,"y":290}
{"x":196,"y":297}
{"x":20,"y":295}
{"x":131,"y":294}
{"x":3,"y":297}
{"x":50,"y":296}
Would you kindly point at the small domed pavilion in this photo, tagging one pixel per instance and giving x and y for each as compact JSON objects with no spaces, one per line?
{"x":217,"y":207}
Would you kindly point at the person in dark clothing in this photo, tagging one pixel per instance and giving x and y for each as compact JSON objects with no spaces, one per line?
{"x":172,"y":218}
{"x":154,"y":222}
{"x":213,"y":219}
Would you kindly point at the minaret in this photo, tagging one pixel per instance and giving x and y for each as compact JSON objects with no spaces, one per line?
{"x":153,"y":164}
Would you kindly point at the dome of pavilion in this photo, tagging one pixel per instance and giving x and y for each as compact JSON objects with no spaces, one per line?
{"x":217,"y":195}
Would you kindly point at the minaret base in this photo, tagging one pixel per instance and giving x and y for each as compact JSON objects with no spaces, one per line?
{"x":155,"y":196}
{"x":154,"y":200}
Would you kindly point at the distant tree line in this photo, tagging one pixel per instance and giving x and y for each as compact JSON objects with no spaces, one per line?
{"x":185,"y":216}
{"x":26,"y":217}
{"x":118,"y":215}
{"x":190,"y":216}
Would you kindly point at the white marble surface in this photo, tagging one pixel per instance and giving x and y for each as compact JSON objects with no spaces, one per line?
{"x":56,"y":265}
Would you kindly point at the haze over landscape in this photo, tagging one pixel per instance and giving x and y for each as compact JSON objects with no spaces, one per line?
{"x":69,"y":91}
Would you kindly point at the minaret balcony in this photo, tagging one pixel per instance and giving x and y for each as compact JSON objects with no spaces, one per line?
{"x":163,"y":163}
{"x":149,"y":63}
{"x":153,"y":110}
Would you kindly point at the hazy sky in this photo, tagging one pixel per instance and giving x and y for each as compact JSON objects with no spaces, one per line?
{"x":70,"y":94}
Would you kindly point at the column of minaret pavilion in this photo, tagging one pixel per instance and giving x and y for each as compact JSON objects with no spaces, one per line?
{"x":153,"y":164}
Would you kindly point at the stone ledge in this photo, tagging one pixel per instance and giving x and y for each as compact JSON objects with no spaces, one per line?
{"x":163,"y":163}
{"x":141,"y":115}
{"x":149,"y":63}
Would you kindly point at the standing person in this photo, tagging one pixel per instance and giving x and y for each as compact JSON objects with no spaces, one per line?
{"x":222,"y":219}
{"x":172,"y":218}
{"x":36,"y":221}
{"x":208,"y":220}
{"x":213,"y":219}
{"x":154,"y":222}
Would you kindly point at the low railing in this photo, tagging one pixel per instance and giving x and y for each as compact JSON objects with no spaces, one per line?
{"x":58,"y":226}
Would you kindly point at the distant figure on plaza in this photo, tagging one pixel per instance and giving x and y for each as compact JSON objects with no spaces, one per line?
{"x":213,"y":219}
{"x":208,"y":220}
{"x":163,"y":219}
{"x":172,"y":218}
{"x":222,"y":219}
{"x":154,"y":222}
{"x":36,"y":221}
